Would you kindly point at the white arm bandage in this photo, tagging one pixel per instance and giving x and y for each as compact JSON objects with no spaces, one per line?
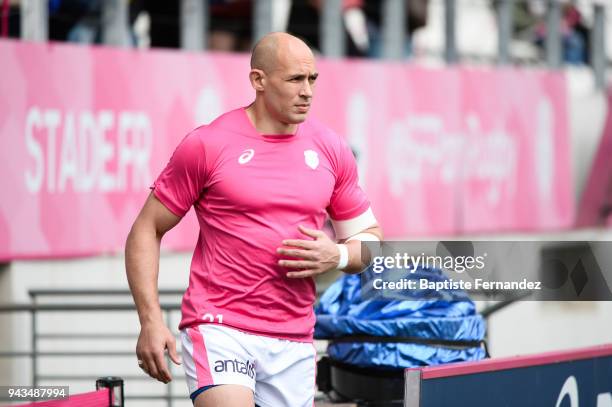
{"x":364,"y":237}
{"x":347,"y":228}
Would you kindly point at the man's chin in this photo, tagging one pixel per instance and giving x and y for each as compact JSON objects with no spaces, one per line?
{"x":297,"y":118}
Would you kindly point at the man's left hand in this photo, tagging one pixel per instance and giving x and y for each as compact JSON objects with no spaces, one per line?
{"x":312,"y":256}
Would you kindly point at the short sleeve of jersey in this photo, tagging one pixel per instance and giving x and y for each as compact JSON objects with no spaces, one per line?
{"x":348,"y":199}
{"x":182,"y":181}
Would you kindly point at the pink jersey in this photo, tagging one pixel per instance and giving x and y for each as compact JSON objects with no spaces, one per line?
{"x":250,"y":192}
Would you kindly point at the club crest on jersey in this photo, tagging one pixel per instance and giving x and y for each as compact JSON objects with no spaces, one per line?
{"x":246,"y":156}
{"x":311,"y":158}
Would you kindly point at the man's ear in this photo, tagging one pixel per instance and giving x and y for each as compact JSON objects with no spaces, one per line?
{"x":258,"y":79}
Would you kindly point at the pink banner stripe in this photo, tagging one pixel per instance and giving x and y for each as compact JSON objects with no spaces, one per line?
{"x":99,"y":398}
{"x":514,"y":362}
{"x":200,"y":357}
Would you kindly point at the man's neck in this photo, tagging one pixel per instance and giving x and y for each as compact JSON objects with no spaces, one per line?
{"x":265,"y":124}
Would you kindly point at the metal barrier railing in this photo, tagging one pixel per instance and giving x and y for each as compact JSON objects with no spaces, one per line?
{"x":35,"y":309}
{"x":42,"y":302}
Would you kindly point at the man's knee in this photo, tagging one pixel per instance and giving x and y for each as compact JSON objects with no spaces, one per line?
{"x":225,"y":395}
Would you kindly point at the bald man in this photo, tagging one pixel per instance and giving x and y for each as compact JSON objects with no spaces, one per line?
{"x":262,"y":180}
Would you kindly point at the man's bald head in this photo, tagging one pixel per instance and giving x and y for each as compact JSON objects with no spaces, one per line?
{"x":274,"y":48}
{"x":283,"y":75}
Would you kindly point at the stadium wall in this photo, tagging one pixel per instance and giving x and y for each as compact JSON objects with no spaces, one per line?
{"x":440,"y":151}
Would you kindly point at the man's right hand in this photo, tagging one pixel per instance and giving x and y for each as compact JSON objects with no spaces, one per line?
{"x":142,"y":269}
{"x":153,"y":340}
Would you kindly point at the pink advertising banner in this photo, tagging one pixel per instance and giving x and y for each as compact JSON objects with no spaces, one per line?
{"x":595,"y":207}
{"x":84,"y":131}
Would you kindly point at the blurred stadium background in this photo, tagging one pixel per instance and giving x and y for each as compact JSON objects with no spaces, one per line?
{"x":66,"y":317}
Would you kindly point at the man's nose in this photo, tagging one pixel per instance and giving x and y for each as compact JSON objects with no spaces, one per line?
{"x":306,"y":90}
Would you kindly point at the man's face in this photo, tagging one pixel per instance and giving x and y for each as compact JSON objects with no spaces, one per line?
{"x":290,"y":85}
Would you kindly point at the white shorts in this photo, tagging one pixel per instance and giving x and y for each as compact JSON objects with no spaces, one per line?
{"x":281,"y":373}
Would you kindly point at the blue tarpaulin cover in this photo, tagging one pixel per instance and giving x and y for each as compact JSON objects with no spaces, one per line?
{"x":342,"y":311}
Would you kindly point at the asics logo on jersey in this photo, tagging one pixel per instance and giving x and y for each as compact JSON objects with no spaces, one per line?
{"x":311,"y":158}
{"x":246,"y":156}
{"x":235,"y":366}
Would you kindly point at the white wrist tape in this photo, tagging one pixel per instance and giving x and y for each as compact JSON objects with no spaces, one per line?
{"x":344,"y":256}
{"x":364,"y":237}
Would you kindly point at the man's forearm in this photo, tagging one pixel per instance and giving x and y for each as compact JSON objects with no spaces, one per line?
{"x":142,"y":268}
{"x":355,"y":262}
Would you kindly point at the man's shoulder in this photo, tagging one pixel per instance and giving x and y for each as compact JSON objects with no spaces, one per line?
{"x":229,"y":119}
{"x":219,"y":127}
{"x":317,"y":129}
{"x":327,"y":138}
